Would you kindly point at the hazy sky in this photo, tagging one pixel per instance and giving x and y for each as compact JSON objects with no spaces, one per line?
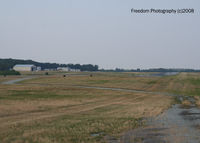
{"x":102,"y":32}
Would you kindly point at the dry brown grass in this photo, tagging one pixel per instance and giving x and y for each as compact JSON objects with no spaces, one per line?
{"x":49,"y":109}
{"x":58,"y":113}
{"x":186,"y":103}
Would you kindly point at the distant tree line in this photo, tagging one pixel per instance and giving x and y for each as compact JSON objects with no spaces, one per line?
{"x":165,"y":70}
{"x":7,"y":64}
{"x":150,"y":70}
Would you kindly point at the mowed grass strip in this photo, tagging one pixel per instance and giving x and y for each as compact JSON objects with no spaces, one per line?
{"x":53,"y":113}
{"x":10,"y":77}
{"x":187,"y":84}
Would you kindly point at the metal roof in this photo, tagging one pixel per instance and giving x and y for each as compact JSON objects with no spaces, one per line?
{"x":24,"y":65}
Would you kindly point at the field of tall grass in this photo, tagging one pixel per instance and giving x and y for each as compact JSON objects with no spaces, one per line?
{"x":50,"y":109}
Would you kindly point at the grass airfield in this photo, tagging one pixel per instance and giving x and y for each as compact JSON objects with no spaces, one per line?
{"x":54,"y":108}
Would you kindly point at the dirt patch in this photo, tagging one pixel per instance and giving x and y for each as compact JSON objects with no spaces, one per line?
{"x":197,"y":98}
{"x":177,"y":124}
{"x":142,"y":135}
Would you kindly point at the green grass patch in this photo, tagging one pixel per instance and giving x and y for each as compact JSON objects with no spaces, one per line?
{"x":29,"y":94}
{"x":76,"y":128}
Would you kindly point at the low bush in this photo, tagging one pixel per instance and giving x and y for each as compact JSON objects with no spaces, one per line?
{"x":4,"y":73}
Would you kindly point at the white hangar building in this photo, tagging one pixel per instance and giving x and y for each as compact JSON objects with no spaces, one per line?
{"x":24,"y":68}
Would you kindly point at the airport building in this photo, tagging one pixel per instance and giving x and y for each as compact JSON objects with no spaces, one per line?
{"x":38,"y":68}
{"x":24,"y":68}
{"x":68,"y":69}
{"x":63,"y":69}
